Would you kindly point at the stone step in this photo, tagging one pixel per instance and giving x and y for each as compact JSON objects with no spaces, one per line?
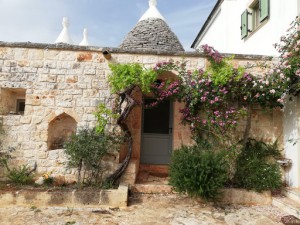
{"x":293,"y":194}
{"x":152,"y":188}
{"x":288,"y":205}
{"x":156,"y":170}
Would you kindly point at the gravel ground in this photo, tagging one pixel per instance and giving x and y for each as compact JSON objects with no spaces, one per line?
{"x":145,"y":210}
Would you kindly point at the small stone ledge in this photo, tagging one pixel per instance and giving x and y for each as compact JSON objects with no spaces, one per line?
{"x":228,"y":196}
{"x":76,"y":198}
{"x":245,"y":197}
{"x":152,"y":188}
{"x":63,"y":46}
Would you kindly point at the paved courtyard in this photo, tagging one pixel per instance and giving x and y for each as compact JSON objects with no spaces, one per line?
{"x":145,"y":209}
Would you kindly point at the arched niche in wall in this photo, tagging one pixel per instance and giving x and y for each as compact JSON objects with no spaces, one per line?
{"x":59,"y":130}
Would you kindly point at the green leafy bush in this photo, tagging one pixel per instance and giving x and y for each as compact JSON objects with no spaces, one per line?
{"x":85,"y":151}
{"x":256,"y":168}
{"x":20,"y":175}
{"x":133,"y":74}
{"x":103,"y":115}
{"x":198,"y":172}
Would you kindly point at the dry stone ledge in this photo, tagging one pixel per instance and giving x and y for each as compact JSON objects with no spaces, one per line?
{"x":245,"y":197}
{"x":67,"y":198}
{"x":228,"y":196}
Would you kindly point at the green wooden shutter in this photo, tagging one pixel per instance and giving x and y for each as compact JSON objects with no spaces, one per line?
{"x":264,"y":6}
{"x":244,"y":24}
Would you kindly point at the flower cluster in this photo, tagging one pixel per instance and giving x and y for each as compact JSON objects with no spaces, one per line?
{"x":164,"y":90}
{"x":288,"y":68}
{"x":208,"y":103}
{"x":216,"y":99}
{"x":48,"y":179}
{"x":161,"y":65}
{"x":223,"y":120}
{"x":212,"y":53}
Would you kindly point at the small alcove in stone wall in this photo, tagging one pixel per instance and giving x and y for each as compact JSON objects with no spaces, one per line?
{"x":59,"y":130}
{"x":12,"y":101}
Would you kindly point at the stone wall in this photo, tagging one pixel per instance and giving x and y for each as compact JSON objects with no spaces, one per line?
{"x":70,"y":81}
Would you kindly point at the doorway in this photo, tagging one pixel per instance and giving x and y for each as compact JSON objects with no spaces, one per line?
{"x":157,"y":133}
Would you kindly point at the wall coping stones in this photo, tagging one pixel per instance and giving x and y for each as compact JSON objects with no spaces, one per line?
{"x":63,"y":46}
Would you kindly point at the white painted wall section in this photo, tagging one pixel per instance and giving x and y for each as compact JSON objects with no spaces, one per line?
{"x":225,"y":35}
{"x":291,"y":131}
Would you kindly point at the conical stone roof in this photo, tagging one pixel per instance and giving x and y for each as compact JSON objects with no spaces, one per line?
{"x":152,"y":33}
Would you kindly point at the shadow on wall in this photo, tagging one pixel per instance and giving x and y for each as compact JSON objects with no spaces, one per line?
{"x":59,"y":130}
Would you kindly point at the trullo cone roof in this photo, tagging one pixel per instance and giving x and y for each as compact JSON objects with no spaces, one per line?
{"x":152,"y":33}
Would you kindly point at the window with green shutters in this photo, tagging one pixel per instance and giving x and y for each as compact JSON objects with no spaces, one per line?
{"x":259,"y":11}
{"x":264,"y":9}
{"x":244,"y":24}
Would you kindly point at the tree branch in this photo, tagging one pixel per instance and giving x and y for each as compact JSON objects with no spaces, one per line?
{"x":131,"y":103}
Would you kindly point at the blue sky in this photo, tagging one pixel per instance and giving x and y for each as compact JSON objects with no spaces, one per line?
{"x":108,"y":21}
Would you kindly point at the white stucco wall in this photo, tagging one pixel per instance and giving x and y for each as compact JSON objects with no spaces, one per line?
{"x":291,"y":132}
{"x":225,"y":35}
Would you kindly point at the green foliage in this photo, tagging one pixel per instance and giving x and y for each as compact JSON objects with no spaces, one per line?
{"x":198,"y":172}
{"x":35,"y":209}
{"x":127,"y":75}
{"x":261,"y":150}
{"x":217,"y":99}
{"x":48,"y":181}
{"x":103,"y":116}
{"x":256,"y":168}
{"x":5,"y":156}
{"x":20,"y":175}
{"x":107,"y":185}
{"x":70,"y":222}
{"x":85,"y":151}
{"x":222,"y":73}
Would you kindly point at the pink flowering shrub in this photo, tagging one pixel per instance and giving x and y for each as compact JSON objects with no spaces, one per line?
{"x":217,"y":98}
{"x":288,"y":68}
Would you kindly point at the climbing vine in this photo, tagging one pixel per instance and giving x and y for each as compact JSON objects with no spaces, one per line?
{"x":104,"y":116}
{"x":217,"y":98}
{"x":124,"y":79}
{"x":127,"y":75}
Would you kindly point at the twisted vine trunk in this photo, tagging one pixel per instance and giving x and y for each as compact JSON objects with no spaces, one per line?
{"x":248,"y":126}
{"x":130,"y":104}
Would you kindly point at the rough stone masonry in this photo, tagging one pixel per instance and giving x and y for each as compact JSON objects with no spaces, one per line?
{"x":48,"y":91}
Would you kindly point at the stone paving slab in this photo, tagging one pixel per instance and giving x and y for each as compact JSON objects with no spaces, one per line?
{"x":154,"y":209}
